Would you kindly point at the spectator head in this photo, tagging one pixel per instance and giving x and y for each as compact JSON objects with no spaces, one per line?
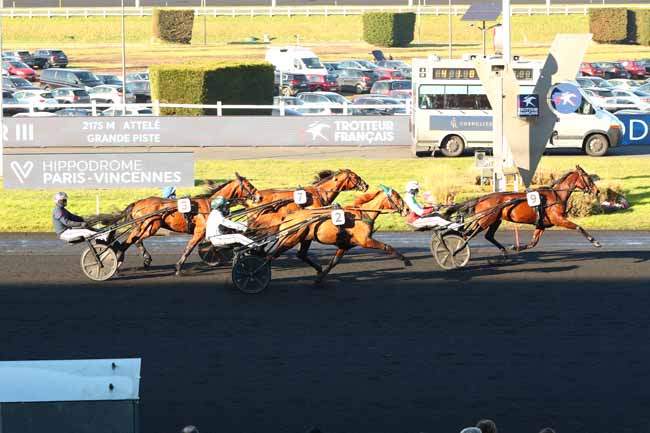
{"x":190,"y":429}
{"x":547,"y":430}
{"x":487,"y":426}
{"x":471,"y":430}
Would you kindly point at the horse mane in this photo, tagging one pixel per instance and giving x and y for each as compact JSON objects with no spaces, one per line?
{"x":322,"y":175}
{"x":365,"y":198}
{"x":562,"y":178}
{"x":212,"y":189}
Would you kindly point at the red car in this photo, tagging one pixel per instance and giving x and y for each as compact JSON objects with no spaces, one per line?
{"x":19,"y":69}
{"x":325,"y":83}
{"x":388,"y":74}
{"x":636,"y":68}
{"x":591,"y":70}
{"x":391,"y":87}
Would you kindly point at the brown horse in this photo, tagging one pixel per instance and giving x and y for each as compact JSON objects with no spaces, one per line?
{"x":239,"y":188}
{"x":305,"y":226}
{"x":321,"y":193}
{"x":494,"y":208}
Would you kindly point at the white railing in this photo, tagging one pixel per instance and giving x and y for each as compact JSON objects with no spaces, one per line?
{"x":287,"y":11}
{"x":155,"y":106}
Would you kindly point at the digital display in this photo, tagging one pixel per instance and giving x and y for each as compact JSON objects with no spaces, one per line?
{"x":470,"y":74}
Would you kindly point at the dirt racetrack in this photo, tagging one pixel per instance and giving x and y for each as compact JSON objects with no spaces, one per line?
{"x":559,"y":338}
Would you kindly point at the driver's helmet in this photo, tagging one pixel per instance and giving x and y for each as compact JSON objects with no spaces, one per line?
{"x":169,"y":192}
{"x":218,"y":203}
{"x":61,"y":199}
{"x":412,"y":186}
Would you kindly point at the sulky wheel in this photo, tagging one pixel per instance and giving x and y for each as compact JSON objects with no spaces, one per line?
{"x":214,"y":256}
{"x":450,"y":251}
{"x":251,"y":274}
{"x":100,"y":270}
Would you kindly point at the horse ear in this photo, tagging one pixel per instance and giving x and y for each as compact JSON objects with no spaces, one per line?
{"x":238,"y":176}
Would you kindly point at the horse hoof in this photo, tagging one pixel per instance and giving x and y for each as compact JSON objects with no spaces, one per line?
{"x":597,"y":244}
{"x":512,"y":248}
{"x":407,"y":263}
{"x":146,"y":264}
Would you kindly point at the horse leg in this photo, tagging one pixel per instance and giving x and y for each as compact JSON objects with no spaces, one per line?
{"x":537,"y":234}
{"x":489,"y":235}
{"x":303,"y":255}
{"x":333,"y":262}
{"x":145,"y":254}
{"x":377,"y":245}
{"x":564,"y":222}
{"x":196,"y":238}
{"x":130,"y":240}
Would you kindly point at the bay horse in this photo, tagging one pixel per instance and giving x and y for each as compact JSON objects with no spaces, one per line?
{"x":496,"y":207}
{"x":239,"y":188}
{"x":321,"y":192}
{"x":307,"y":225}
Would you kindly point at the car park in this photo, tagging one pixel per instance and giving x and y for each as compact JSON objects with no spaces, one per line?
{"x":21,"y":56}
{"x":41,"y":100}
{"x":295,"y":60}
{"x":621,"y":83}
{"x":622,"y":100}
{"x":324,"y":103}
{"x":399,"y":65}
{"x":135,"y":76}
{"x":613,"y":70}
{"x":591,"y":70}
{"x":287,"y":100}
{"x":130,"y":111}
{"x":288,"y":84}
{"x":141,"y":89}
{"x":9,"y":104}
{"x":287,"y":112}
{"x":380,"y":73}
{"x":17,"y":83}
{"x":74,"y":112}
{"x":109,"y":94}
{"x":332,"y":67}
{"x":591,"y":82}
{"x":325,"y":83}
{"x":109,"y":79}
{"x":81,"y":78}
{"x":356,"y":80}
{"x":392,"y":87}
{"x":389,"y":106}
{"x":49,"y":58}
{"x":71,"y":95}
{"x":19,"y":69}
{"x":636,"y":68}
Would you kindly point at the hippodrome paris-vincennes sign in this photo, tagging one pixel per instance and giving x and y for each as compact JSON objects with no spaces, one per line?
{"x":98,"y":171}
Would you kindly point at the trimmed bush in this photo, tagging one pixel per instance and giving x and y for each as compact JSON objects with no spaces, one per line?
{"x":248,"y":83}
{"x":609,"y":25}
{"x":388,"y":29}
{"x":173,"y":25}
{"x":641,"y":26}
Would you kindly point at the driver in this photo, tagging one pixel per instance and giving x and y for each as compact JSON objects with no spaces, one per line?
{"x":421,"y":217}
{"x":67,"y":225}
{"x":217,"y":220}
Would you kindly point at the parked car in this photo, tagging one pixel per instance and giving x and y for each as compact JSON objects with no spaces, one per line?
{"x":35,"y":114}
{"x":11,"y":59}
{"x":314,"y":103}
{"x":9,"y":104}
{"x":287,"y":100}
{"x":128,"y":112}
{"x":17,"y":83}
{"x":325,"y":83}
{"x":356,"y":80}
{"x":599,"y":96}
{"x":399,"y":65}
{"x":291,"y":84}
{"x":21,"y":55}
{"x":80,"y":78}
{"x":108,"y":94}
{"x":332,"y":67}
{"x":392,"y":87}
{"x":71,"y":95}
{"x":636,"y":68}
{"x":50,"y":58}
{"x":620,"y":83}
{"x":287,"y":112}
{"x":136,"y":76}
{"x":613,"y":70}
{"x":393,"y":106}
{"x":141,"y":89}
{"x":591,"y":70}
{"x":19,"y":69}
{"x":74,"y":112}
{"x":109,"y":79}
{"x":381,"y":73}
{"x":42,"y":100}
{"x":591,"y":82}
{"x":626,"y":100}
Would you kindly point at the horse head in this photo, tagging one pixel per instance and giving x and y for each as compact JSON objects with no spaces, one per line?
{"x":585,"y":182}
{"x":393,"y":201}
{"x":352,"y":180}
{"x":246,"y":190}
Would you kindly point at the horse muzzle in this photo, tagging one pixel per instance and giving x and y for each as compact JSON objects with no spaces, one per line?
{"x":362,"y":186}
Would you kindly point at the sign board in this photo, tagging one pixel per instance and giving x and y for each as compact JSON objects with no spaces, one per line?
{"x":207,"y":131}
{"x":71,"y":380}
{"x":184,"y":205}
{"x":565,"y":98}
{"x":533,"y":199}
{"x":98,"y":170}
{"x":528,"y":105}
{"x":300,"y":196}
{"x":482,"y":160}
{"x":636,"y":127}
{"x":338,"y":217}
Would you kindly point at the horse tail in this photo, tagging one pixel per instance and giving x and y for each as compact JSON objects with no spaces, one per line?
{"x":108,"y":219}
{"x":466,"y":208}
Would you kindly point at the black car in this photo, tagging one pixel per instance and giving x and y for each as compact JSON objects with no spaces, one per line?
{"x":23,"y":55}
{"x":110,"y":79}
{"x":9,"y":104}
{"x":141,"y":89}
{"x":613,"y":70}
{"x":356,"y":80}
{"x":80,"y":78}
{"x":50,"y":58}
{"x":291,"y":84}
{"x":74,"y":112}
{"x":17,"y":83}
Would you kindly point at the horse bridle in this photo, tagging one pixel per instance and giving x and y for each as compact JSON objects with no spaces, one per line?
{"x":249,"y":194}
{"x":388,"y":194}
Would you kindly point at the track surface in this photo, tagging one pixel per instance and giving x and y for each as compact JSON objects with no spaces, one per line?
{"x":558,"y":337}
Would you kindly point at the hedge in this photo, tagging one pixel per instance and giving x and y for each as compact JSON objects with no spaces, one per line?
{"x":173,"y":25}
{"x":609,"y":25}
{"x":641,"y":23}
{"x":249,"y":83}
{"x":388,"y":29}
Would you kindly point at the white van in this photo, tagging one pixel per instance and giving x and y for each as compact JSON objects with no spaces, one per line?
{"x":295,"y":60}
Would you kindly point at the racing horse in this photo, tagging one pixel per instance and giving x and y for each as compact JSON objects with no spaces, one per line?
{"x":496,"y":207}
{"x":322,"y":192}
{"x":307,"y":225}
{"x":239,"y":188}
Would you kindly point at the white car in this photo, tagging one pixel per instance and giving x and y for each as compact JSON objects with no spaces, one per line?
{"x":42,"y":100}
{"x":622,"y":83}
{"x":321,"y":103}
{"x":625,"y":100}
{"x":593,"y":82}
{"x":130,"y":111}
{"x":110,"y":94}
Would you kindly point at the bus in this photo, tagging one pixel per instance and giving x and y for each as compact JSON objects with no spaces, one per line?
{"x":451,"y":112}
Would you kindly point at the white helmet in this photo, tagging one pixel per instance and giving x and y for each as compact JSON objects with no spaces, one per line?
{"x":412,"y":185}
{"x":60,"y":196}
